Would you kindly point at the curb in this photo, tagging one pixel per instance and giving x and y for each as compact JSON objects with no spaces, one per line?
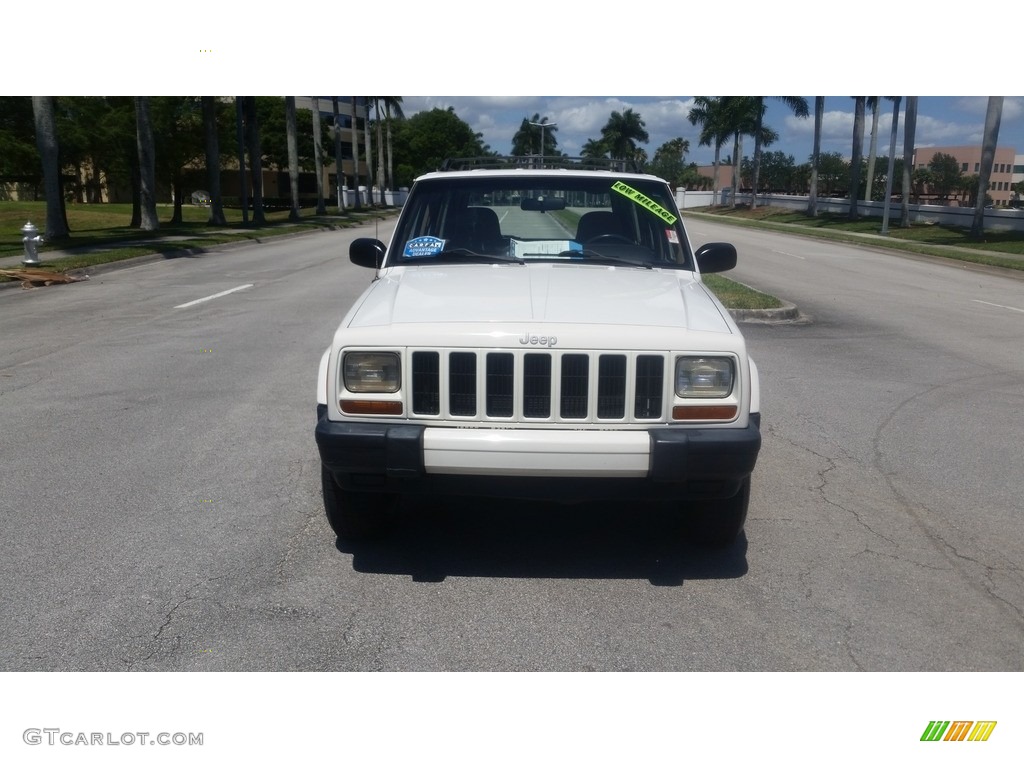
{"x":785,"y":314}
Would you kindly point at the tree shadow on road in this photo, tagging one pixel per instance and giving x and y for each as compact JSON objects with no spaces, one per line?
{"x":431,"y":539}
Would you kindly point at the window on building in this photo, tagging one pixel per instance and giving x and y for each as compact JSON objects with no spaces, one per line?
{"x":963,"y":168}
{"x":977,"y":167}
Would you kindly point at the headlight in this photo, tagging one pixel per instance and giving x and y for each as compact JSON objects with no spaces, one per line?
{"x":372,"y":372}
{"x":704,"y":376}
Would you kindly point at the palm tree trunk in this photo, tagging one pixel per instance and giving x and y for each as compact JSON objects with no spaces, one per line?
{"x":892,"y":163}
{"x":49,"y":150}
{"x":243,"y":185}
{"x":369,"y":155}
{"x":252,"y":132}
{"x":757,"y":148}
{"x":819,"y":118}
{"x":339,"y":172}
{"x":391,"y":154}
{"x":872,"y":148}
{"x":292,"y":137}
{"x":213,"y":161}
{"x":993,"y":116}
{"x":380,"y":151}
{"x":355,"y":154}
{"x":909,"y":129}
{"x":321,"y":208}
{"x":858,"y":150}
{"x":714,"y":178}
{"x":147,"y":165}
{"x":737,"y":148}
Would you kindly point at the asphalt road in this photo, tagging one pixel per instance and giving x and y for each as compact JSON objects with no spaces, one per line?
{"x":161,"y":504}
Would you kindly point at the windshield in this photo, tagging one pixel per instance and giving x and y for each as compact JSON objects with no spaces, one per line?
{"x":532,"y":217}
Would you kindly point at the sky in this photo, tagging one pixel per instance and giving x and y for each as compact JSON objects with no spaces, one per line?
{"x":476,"y":49}
{"x":941,"y":121}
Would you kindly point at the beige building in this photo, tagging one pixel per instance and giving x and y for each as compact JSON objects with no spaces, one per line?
{"x":1001,"y":181}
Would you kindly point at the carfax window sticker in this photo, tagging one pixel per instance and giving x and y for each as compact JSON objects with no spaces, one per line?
{"x":422,"y":247}
{"x":641,"y":199}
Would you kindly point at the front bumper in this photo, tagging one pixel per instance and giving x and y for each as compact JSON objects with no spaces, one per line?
{"x":659,"y":463}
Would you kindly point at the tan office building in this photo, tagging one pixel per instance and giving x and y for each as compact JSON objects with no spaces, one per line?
{"x":1001,"y":181}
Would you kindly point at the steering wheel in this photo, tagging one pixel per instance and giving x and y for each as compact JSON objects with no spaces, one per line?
{"x":610,"y":238}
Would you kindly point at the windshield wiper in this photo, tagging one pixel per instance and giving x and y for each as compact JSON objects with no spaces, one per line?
{"x":595,"y":256}
{"x":464,"y":254}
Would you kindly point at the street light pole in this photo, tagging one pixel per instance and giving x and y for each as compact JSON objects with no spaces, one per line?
{"x":543,"y":123}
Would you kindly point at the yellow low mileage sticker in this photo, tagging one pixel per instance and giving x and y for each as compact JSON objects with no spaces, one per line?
{"x":641,"y":199}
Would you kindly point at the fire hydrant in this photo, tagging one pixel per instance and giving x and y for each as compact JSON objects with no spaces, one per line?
{"x":31,"y":241}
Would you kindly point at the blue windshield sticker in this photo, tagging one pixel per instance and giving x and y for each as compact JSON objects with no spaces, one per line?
{"x":421,"y":247}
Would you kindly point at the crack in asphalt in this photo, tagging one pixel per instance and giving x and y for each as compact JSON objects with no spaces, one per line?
{"x":919,"y":513}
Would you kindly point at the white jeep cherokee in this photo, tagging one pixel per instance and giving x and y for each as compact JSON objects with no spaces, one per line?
{"x":539,"y":333}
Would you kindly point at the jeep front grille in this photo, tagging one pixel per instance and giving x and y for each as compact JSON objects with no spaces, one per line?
{"x":542,"y":386}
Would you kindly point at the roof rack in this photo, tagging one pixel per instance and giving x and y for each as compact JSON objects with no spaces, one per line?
{"x":548,"y":162}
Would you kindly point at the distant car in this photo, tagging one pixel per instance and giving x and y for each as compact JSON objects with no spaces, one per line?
{"x":539,"y":334}
{"x":200,"y":197}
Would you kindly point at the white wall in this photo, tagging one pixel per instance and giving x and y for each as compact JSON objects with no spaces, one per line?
{"x":1004,"y":219}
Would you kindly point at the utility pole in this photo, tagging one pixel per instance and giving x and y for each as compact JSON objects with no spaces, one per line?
{"x":543,"y":123}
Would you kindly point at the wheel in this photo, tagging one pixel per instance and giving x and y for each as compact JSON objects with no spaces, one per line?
{"x":354,"y":515}
{"x":717,"y":523}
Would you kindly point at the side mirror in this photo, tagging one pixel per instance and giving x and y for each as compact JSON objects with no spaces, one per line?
{"x":716,"y":257}
{"x":367,"y":252}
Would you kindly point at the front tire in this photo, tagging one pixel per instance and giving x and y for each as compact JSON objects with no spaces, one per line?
{"x":354,"y":515}
{"x":718,"y":522}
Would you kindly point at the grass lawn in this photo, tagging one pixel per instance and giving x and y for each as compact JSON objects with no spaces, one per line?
{"x":107,"y":223}
{"x":929,"y":239}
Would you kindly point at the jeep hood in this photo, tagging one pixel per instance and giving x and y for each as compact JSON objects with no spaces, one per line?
{"x":539,"y":293}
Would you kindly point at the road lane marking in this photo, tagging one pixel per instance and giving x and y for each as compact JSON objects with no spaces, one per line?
{"x":215,"y":296}
{"x":795,"y":256}
{"x":1001,"y":306}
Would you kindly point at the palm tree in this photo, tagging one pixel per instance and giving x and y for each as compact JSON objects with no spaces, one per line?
{"x":909,"y":129}
{"x":621,"y":133}
{"x":594,"y":149}
{"x":292,"y":135}
{"x":243,"y":185}
{"x":392,"y":108}
{"x":874,"y":102}
{"x":892,"y":161}
{"x":709,"y":113}
{"x":741,"y":115}
{"x":380,"y":148}
{"x":858,"y":149}
{"x":355,"y":154}
{"x":318,"y":151}
{"x":252,"y":132}
{"x":49,"y":151}
{"x":819,"y":118}
{"x":339,"y":173}
{"x":530,"y":135}
{"x":993,"y":116}
{"x":369,"y":151}
{"x":796,"y":103}
{"x":147,"y":165}
{"x":213,"y":161}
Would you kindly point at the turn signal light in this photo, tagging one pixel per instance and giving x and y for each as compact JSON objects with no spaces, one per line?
{"x":704,"y":412}
{"x":372,"y":407}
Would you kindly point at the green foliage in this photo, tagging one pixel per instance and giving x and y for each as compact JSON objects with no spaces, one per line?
{"x":274,"y":138}
{"x":777,"y":174}
{"x":622,"y":132}
{"x":422,"y":142}
{"x":945,"y":174}
{"x":526,"y":141}
{"x":670,"y":160}
{"x":18,"y":154}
